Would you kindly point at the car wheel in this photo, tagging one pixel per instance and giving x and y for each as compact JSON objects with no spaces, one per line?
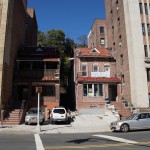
{"x":26,"y":123}
{"x":124,"y":128}
{"x":52,"y":122}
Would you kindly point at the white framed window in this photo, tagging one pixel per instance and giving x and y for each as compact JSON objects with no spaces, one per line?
{"x":84,"y":69}
{"x":95,"y":67}
{"x":93,"y":90}
{"x":102,"y":41}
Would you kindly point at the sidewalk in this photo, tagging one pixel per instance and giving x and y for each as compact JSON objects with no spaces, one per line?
{"x":81,"y":124}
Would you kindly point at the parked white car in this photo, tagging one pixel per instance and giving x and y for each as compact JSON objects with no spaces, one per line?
{"x":59,"y":114}
{"x":31,"y":116}
{"x":135,"y":122}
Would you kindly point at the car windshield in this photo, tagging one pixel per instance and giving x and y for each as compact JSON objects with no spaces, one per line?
{"x":59,"y":111}
{"x":131,"y":117}
{"x":33,"y":111}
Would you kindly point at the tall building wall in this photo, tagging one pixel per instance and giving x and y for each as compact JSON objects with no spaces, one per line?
{"x":12,"y":31}
{"x":126,"y":40}
{"x":31,"y":28}
{"x":139,"y":89}
{"x":117,"y":43}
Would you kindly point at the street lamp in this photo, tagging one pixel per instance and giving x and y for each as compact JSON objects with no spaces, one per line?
{"x":38,"y":91}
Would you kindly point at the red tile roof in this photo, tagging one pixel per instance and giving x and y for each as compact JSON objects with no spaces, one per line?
{"x":87,"y":52}
{"x":98,"y":79}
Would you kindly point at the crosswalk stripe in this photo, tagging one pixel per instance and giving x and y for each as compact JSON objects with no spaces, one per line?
{"x":116,"y":139}
{"x":39,"y":144}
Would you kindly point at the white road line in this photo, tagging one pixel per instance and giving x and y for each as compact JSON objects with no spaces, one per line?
{"x":116,"y":139}
{"x":39,"y":144}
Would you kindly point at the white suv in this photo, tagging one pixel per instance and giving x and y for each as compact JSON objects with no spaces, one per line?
{"x":59,"y":114}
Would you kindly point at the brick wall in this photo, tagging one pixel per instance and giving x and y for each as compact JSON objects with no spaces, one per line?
{"x":95,"y":35}
{"x":14,"y":38}
{"x":116,"y":33}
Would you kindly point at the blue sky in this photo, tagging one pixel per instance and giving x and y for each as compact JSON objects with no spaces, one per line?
{"x":74,"y":17}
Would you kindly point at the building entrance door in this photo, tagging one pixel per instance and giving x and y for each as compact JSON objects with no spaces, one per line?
{"x":112,"y":92}
{"x":23,"y":92}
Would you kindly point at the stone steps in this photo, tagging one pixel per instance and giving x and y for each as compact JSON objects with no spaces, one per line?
{"x":123,"y":112}
{"x":14,"y":117}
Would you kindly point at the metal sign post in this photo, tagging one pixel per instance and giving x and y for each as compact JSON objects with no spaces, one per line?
{"x":38,"y":90}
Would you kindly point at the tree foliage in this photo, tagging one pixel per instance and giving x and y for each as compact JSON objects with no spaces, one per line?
{"x":57,"y":38}
{"x":82,"y":41}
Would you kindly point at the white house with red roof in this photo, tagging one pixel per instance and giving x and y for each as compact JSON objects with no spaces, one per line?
{"x":95,"y":78}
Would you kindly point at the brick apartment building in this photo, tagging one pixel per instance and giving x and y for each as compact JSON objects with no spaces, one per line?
{"x":128,"y":36}
{"x":97,"y":36}
{"x":95,"y":78}
{"x":12,"y":37}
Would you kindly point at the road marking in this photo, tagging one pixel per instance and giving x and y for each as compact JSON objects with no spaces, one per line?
{"x":94,"y":146}
{"x":39,"y":144}
{"x":116,"y":139}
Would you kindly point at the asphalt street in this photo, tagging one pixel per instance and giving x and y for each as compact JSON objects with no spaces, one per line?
{"x":93,"y":141}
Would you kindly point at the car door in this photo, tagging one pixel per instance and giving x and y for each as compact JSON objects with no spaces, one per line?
{"x":143,"y":121}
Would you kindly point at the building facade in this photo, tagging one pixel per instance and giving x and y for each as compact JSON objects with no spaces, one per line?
{"x":37,"y":67}
{"x":31,"y":28}
{"x":128,"y":28}
{"x":95,"y":79}
{"x":97,"y":36}
{"x":12,"y":32}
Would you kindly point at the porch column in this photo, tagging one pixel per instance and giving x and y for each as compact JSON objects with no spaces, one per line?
{"x":79,"y":95}
{"x":106,"y":94}
{"x":119,"y":92}
{"x":57,"y":92}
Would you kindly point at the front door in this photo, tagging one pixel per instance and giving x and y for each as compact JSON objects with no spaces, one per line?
{"x":23,"y":92}
{"x":112,"y":92}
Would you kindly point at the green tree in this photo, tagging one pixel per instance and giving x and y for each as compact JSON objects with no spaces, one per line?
{"x":57,"y":38}
{"x":41,"y":38}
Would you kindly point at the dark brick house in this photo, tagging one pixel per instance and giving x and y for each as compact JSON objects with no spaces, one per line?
{"x":37,"y":67}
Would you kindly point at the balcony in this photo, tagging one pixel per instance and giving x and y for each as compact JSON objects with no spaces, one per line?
{"x":37,"y":74}
{"x":94,"y":74}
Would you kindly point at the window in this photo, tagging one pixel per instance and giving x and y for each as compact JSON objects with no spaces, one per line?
{"x":148,"y":74}
{"x":121,"y":60}
{"x":145,"y":50}
{"x":119,"y":21}
{"x":37,"y":65}
{"x":146,"y":8}
{"x":141,"y":8}
{"x":148,"y":29}
{"x":92,"y":90}
{"x":101,"y":29}
{"x":24,"y":65}
{"x":143,"y":116}
{"x":102,"y":41}
{"x":122,"y":79}
{"x":48,"y":90}
{"x":143,"y":29}
{"x":95,"y":68}
{"x":84,"y":70}
{"x":52,"y":65}
{"x":106,"y":68}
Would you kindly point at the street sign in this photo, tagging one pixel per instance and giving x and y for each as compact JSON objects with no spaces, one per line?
{"x":38,"y":90}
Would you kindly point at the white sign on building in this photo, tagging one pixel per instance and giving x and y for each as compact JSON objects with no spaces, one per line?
{"x":100,"y":74}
